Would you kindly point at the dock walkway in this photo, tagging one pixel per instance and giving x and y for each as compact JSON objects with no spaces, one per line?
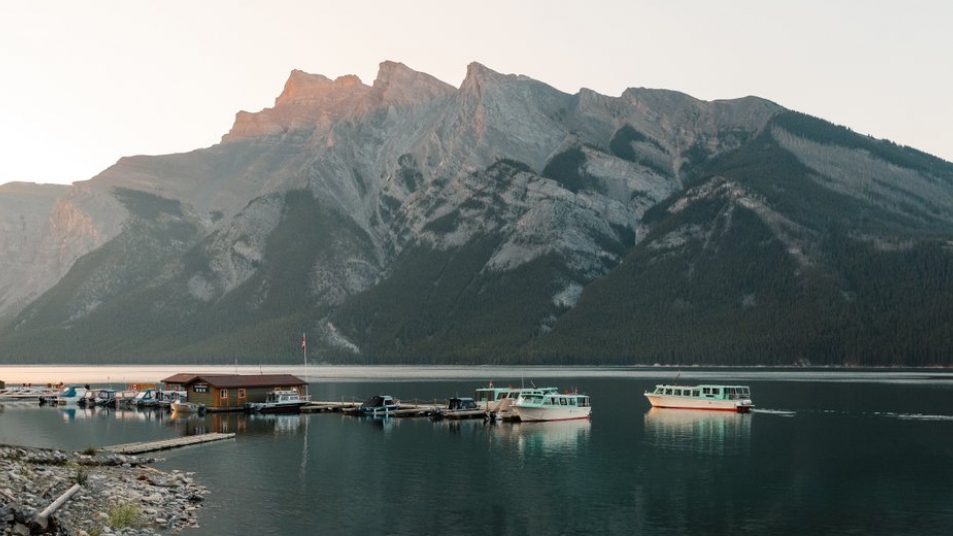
{"x":165,"y":444}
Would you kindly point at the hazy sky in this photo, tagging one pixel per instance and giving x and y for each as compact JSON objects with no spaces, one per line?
{"x":85,"y":83}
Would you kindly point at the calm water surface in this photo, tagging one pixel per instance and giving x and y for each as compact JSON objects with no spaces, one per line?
{"x":824,"y":453}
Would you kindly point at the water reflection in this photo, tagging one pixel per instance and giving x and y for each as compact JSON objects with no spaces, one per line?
{"x":545,"y":438}
{"x":703,"y":432}
{"x":287,"y":424}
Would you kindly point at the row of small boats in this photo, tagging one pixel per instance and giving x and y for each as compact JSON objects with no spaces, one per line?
{"x":85,"y":396}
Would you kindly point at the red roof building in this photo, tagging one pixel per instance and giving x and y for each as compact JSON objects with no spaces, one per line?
{"x":230,"y":392}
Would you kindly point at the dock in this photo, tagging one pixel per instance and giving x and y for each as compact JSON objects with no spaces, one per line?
{"x":165,"y":444}
{"x":412,"y":409}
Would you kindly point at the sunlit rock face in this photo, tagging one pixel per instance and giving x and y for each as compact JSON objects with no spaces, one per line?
{"x":325,"y":208}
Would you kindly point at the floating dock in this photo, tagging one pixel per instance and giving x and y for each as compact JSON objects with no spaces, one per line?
{"x":165,"y":444}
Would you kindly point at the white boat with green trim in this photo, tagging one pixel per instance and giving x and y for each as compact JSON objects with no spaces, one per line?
{"x":497,"y":401}
{"x":552,"y":407}
{"x":715,"y":397}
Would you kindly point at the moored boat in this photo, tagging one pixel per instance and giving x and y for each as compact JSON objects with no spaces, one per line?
{"x":284,"y":401}
{"x":71,"y":394}
{"x":711,"y":397}
{"x":146,"y":398}
{"x":184,"y":406}
{"x":553,"y":407}
{"x":379,"y":406}
{"x":497,"y":401}
{"x":459,"y":408}
{"x":105,"y":398}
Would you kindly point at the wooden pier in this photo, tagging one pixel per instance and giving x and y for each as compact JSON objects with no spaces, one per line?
{"x":416,"y":409}
{"x":165,"y":444}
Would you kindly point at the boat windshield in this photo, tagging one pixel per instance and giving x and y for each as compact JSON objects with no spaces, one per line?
{"x":532,"y":399}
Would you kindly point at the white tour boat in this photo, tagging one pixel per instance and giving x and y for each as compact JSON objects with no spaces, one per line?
{"x":716,"y":397}
{"x":497,"y":401}
{"x":552,"y":407}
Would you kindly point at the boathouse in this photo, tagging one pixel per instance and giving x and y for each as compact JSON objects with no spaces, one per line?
{"x":230,"y":392}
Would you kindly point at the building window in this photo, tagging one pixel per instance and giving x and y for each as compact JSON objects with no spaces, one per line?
{"x":241,"y":394}
{"x":223,"y":394}
{"x":200,"y":388}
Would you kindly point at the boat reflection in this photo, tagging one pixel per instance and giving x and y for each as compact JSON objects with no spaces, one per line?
{"x":73,"y":413}
{"x":545,"y":438}
{"x":279,"y":424}
{"x":699,"y":431}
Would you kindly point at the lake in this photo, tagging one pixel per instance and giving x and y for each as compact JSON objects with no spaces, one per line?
{"x":824,"y":452}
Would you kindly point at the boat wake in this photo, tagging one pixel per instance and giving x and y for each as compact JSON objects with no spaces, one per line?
{"x":778,"y":412}
{"x":916,"y":416}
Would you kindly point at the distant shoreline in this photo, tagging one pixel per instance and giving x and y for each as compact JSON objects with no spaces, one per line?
{"x":41,"y":375}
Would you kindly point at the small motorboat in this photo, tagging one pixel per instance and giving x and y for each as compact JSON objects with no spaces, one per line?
{"x":379,"y":406}
{"x":285,"y":401}
{"x":184,"y":406}
{"x":145,"y":399}
{"x":459,"y":408}
{"x":105,"y":398}
{"x":71,"y":394}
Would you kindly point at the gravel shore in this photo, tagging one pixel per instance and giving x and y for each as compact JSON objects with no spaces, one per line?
{"x":117,"y":495}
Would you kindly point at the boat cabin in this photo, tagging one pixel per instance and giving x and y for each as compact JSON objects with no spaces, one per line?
{"x":718,"y":392}
{"x":484,"y":395}
{"x":556,"y":399}
{"x":379,"y":404}
{"x":462,"y":404}
{"x":230,"y":392}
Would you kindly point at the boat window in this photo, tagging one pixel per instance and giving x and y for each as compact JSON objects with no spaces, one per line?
{"x":695,"y":392}
{"x":563,"y":401}
{"x":668,"y":391}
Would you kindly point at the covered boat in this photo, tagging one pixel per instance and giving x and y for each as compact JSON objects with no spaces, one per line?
{"x":72,"y":394}
{"x":459,"y":408}
{"x":713,"y":397}
{"x":378,"y":406}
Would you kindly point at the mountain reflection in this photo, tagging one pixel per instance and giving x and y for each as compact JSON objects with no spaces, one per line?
{"x":703,"y":432}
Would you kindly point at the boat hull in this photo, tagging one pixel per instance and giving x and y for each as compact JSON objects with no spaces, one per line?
{"x":685,"y":402}
{"x":276,"y":408}
{"x":539,"y":414}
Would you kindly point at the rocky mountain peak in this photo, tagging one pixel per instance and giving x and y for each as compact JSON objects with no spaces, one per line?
{"x":397,"y":85}
{"x":306,"y":101}
{"x":303,"y":88}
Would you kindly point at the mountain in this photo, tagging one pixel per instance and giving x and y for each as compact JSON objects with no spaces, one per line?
{"x":501,"y":222}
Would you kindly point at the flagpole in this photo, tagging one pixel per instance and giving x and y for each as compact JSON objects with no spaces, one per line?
{"x":304,"y":349}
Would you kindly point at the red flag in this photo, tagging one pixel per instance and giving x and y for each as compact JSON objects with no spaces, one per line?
{"x":303,"y":343}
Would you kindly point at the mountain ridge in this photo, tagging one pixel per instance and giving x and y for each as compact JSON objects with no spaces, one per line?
{"x":503,"y":221}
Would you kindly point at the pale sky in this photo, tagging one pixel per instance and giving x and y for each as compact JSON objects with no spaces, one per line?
{"x":84,"y":83}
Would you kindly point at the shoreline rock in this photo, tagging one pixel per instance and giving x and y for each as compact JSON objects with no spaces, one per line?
{"x":120,"y":495}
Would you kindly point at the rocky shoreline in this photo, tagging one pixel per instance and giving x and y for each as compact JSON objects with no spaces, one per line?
{"x":116,"y":495}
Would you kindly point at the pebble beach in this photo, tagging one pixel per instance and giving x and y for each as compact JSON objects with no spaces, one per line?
{"x":114,"y":494}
